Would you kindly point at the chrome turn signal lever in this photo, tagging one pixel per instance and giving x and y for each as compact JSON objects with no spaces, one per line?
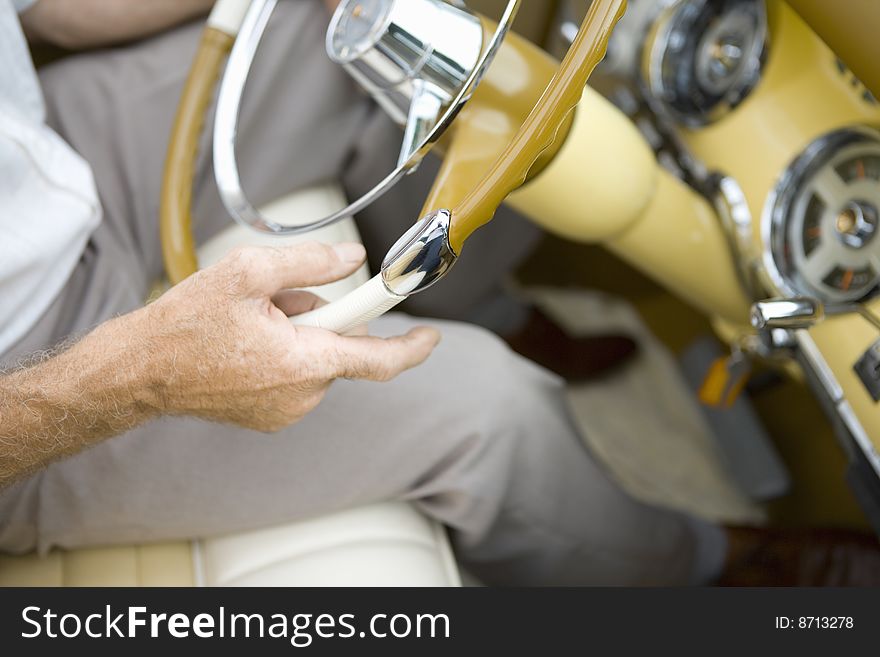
{"x":797,"y":313}
{"x":803,"y":313}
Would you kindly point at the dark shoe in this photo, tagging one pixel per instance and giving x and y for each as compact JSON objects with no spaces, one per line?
{"x":575,"y":359}
{"x":801,"y":557}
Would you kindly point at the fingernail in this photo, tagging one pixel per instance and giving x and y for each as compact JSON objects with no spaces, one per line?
{"x":436,"y":336}
{"x":350,"y":252}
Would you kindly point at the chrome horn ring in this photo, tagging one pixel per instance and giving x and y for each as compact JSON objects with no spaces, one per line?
{"x":226,"y":169}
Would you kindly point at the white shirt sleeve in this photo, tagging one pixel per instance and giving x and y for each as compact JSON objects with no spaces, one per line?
{"x":48,"y":209}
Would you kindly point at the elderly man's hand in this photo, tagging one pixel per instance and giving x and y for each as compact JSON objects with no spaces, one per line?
{"x":218,"y":346}
{"x":224,"y":348}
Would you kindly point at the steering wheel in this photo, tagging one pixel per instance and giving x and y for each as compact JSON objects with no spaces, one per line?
{"x":425,"y":253}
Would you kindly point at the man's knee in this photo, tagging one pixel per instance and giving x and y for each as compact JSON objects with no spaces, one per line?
{"x":501,"y":396}
{"x":495,"y":370}
{"x":496,"y":407}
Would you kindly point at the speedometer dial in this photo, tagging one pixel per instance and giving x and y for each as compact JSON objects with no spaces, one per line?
{"x":704,"y":57}
{"x":823,"y":220}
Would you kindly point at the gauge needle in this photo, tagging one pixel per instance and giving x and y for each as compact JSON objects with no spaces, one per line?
{"x":860,"y":169}
{"x":846,"y":281}
{"x":815,"y":231}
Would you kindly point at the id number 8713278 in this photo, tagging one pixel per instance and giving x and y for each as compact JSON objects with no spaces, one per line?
{"x":815,"y":623}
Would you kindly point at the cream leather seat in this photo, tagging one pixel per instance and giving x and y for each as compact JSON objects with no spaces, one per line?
{"x":387,"y":544}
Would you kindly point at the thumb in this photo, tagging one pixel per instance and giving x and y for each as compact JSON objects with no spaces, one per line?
{"x":382,"y":359}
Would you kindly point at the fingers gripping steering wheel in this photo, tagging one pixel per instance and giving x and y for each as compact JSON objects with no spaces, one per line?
{"x":430,"y":248}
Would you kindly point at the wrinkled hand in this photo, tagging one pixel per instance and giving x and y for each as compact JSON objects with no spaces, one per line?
{"x":225,"y":349}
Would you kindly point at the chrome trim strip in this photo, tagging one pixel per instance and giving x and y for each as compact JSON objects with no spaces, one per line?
{"x":820,"y":368}
{"x":732,"y":207}
{"x":851,"y":420}
{"x":825,"y":377}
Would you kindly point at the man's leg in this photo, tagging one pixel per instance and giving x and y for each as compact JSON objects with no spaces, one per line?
{"x":477,"y":438}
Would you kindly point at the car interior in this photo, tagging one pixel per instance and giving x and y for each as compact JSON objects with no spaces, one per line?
{"x":715,"y":194}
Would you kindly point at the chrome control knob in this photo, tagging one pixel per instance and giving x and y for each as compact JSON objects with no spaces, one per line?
{"x":797,"y":313}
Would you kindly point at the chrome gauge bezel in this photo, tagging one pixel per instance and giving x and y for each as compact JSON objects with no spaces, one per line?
{"x":778,"y":218}
{"x":664,"y":42}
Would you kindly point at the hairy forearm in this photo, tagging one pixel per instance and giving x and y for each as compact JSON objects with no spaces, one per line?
{"x":99,"y":387}
{"x":77,"y":24}
{"x":218,"y":346}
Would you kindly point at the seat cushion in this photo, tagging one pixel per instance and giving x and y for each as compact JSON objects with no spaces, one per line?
{"x":150,"y":565}
{"x":387,"y":544}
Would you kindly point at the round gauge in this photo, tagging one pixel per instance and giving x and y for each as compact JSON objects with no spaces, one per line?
{"x":356,"y":26}
{"x":705,"y":56}
{"x":823,"y":220}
